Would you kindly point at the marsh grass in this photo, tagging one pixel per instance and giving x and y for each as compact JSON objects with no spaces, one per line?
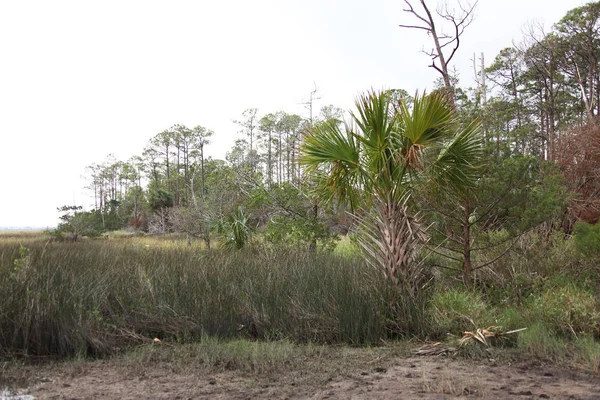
{"x":103,"y":296}
{"x":307,"y":363}
{"x":215,"y":354}
{"x":542,"y":342}
{"x":588,"y":353}
{"x":100,"y":296}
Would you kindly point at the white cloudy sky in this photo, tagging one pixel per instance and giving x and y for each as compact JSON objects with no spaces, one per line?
{"x":81,"y":79}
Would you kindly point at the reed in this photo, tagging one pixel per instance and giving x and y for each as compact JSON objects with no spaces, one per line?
{"x":99,"y":296}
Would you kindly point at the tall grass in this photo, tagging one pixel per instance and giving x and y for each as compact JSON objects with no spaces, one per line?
{"x":101,"y":296}
{"x":96,"y":297}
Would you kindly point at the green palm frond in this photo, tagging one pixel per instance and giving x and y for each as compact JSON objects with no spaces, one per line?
{"x":389,"y":151}
{"x":383,"y":158}
{"x":327,"y":143}
{"x":333,"y":158}
{"x":457,"y":165}
{"x":375,"y":120}
{"x":239,"y":229}
{"x":428,"y":121}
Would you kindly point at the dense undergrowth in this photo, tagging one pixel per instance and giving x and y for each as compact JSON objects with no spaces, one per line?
{"x":98,"y":297}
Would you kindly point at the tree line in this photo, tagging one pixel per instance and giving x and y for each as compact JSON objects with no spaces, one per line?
{"x":537,"y":105}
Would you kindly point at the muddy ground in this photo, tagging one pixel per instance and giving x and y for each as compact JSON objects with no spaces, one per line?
{"x":358,"y":377}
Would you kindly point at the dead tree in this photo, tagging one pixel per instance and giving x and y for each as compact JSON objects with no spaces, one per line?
{"x":449,"y":43}
{"x":443,"y":41}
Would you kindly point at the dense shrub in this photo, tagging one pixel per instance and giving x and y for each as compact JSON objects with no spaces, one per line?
{"x":457,"y":310}
{"x":514,"y":318}
{"x":587,"y":239}
{"x":536,"y":260}
{"x":568,"y":310}
{"x":300,"y":233}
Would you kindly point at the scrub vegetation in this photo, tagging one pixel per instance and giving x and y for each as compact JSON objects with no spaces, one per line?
{"x":464,"y":217}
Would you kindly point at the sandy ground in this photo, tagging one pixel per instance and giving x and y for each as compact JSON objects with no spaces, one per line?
{"x":392,"y":378}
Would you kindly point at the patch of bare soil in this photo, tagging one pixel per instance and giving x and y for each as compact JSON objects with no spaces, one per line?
{"x":395,"y":377}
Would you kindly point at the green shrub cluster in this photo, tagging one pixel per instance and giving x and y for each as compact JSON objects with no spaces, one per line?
{"x":567,"y":310}
{"x":587,"y":239}
{"x":456,"y":310}
{"x":544,"y":284}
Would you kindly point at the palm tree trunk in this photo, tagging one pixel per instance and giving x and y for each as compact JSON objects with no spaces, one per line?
{"x":390,"y":240}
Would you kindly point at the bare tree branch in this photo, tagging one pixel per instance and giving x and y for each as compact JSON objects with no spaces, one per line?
{"x":458,"y":20}
{"x":496,"y":258}
{"x":415,"y":27}
{"x":446,"y":267}
{"x":412,"y":11}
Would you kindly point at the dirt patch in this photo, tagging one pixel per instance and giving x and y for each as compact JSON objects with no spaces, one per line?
{"x":426,"y":378}
{"x":361,"y":377}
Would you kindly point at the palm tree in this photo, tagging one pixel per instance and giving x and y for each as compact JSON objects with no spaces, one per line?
{"x":382,"y":158}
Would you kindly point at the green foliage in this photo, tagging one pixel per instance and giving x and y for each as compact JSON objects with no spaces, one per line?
{"x":512,"y":317}
{"x":299,"y":233}
{"x":568,"y":310}
{"x":237,"y":229}
{"x":160,"y":199}
{"x":587,"y":239}
{"x":392,"y":147}
{"x":524,"y":192}
{"x":83,"y":223}
{"x":289,"y":216}
{"x":588,"y":353}
{"x":538,"y":260}
{"x":457,"y":310}
{"x":541,"y":342}
{"x":21,"y":265}
{"x":514,"y":194}
{"x":347,"y":247}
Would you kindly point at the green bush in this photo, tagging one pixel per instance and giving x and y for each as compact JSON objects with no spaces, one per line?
{"x":588,"y":353}
{"x":587,"y":239}
{"x":568,"y":310}
{"x":300,"y":232}
{"x":512,"y":318}
{"x":347,"y":247}
{"x":457,"y":310}
{"x":536,"y":261}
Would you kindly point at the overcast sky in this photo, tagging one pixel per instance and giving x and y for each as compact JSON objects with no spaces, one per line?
{"x":81,"y":79}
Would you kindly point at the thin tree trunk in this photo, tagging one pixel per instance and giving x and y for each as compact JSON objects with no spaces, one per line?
{"x":202,"y":167}
{"x":467,"y":264}
{"x":313,"y":243}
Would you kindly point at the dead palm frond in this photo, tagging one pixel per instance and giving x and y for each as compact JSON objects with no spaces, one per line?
{"x":483,"y":335}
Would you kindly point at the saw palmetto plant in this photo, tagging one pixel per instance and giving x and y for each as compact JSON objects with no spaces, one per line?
{"x":380,"y":159}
